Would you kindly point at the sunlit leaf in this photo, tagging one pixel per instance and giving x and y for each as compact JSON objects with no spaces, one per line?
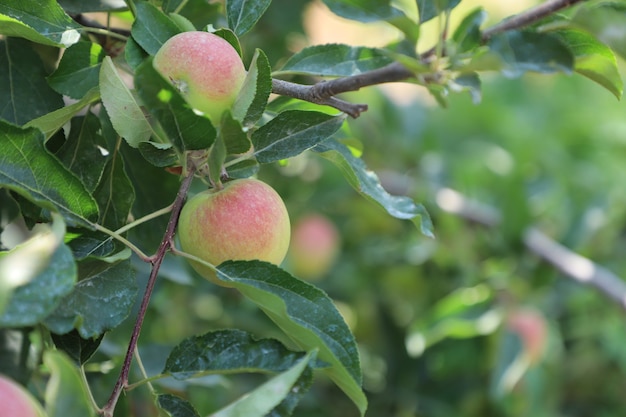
{"x":252,"y":99}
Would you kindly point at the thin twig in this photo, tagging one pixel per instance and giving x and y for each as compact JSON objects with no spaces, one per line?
{"x":571,"y":264}
{"x":157,"y":259}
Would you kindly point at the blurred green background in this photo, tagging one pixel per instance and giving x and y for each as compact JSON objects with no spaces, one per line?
{"x":435,"y":319}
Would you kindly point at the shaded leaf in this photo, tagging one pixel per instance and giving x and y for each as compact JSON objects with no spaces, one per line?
{"x":243,"y":169}
{"x":520,"y":52}
{"x":67,"y":394}
{"x":77,"y":347}
{"x":24,"y":91}
{"x":263,"y":399}
{"x":468,"y":35}
{"x":185,"y":129}
{"x":252,"y":99}
{"x":101,"y":300}
{"x":594,"y":60}
{"x":364,"y":10}
{"x":367,"y":183}
{"x":84,"y":153}
{"x":233,"y":135}
{"x":115,"y":194}
{"x":243,"y":14}
{"x":124,"y":111}
{"x":429,"y":9}
{"x":335,"y":60}
{"x":305,"y":314}
{"x":27,"y":168}
{"x":152,"y":28}
{"x":78,"y":70}
{"x":228,"y":351}
{"x":176,"y":406}
{"x":159,"y":154}
{"x":87,"y":6}
{"x":41,"y":21}
{"x":51,"y":122}
{"x":293,"y":132}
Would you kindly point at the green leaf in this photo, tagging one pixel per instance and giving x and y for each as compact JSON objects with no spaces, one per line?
{"x":27,"y":168}
{"x":52,"y":277}
{"x":467,"y":35}
{"x":594,"y":59}
{"x":520,"y":52}
{"x":228,"y":351}
{"x":134,"y":54}
{"x":293,"y":132}
{"x":89,"y":6}
{"x":176,"y":406}
{"x":78,"y":70}
{"x":184,"y":128}
{"x":115,"y":194}
{"x":243,"y":14}
{"x":152,"y":28}
{"x":252,"y":99}
{"x":364,"y":10}
{"x":606,"y":21}
{"x":335,"y":60}
{"x":41,"y":21}
{"x":101,"y":300}
{"x":233,"y":135}
{"x":24,"y":91}
{"x":77,"y":347}
{"x":67,"y":394}
{"x":215,"y":159}
{"x":159,"y":154}
{"x":125,"y":113}
{"x":469,"y":82}
{"x":367,"y":183}
{"x":243,"y":169}
{"x":263,"y":399}
{"x":429,"y":9}
{"x":305,"y":314}
{"x":50,"y":123}
{"x":85,"y":150}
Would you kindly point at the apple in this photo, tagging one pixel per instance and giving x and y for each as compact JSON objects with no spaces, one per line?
{"x":16,"y":401}
{"x":314,"y":246}
{"x":244,"y":220}
{"x":530,"y":325}
{"x":205,"y":68}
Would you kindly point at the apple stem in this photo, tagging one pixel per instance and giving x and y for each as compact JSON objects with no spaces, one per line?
{"x":156,"y":260}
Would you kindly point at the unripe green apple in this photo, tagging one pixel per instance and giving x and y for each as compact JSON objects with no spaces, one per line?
{"x":205,"y":68}
{"x":15,"y":401}
{"x":244,"y":220}
{"x":314,"y":246}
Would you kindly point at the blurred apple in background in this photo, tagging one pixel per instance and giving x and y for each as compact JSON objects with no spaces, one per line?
{"x":15,"y":401}
{"x":315,"y":245}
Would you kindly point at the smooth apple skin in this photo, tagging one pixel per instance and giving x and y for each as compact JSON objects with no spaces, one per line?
{"x":315,"y":245}
{"x":245,"y":220}
{"x":15,"y":401}
{"x":205,"y":68}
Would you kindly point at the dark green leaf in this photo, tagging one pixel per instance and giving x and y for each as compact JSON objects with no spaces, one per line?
{"x":176,"y":406}
{"x":31,"y":303}
{"x":50,"y":123}
{"x":429,"y":9}
{"x":124,"y":111}
{"x":185,"y":129}
{"x":115,"y":194}
{"x":228,"y":351}
{"x":243,"y":169}
{"x":77,"y":347}
{"x":27,"y":168}
{"x":335,"y":60}
{"x":262,"y":400}
{"x":85,"y":152}
{"x":607,"y":21}
{"x":67,"y":394}
{"x":101,"y":300}
{"x":134,"y":54}
{"x":469,"y":82}
{"x":293,"y":132}
{"x":216,"y":158}
{"x":89,"y":6}
{"x":467,"y":35}
{"x":520,"y":52}
{"x":305,"y":314}
{"x":231,"y":38}
{"x":235,"y":139}
{"x":92,"y":244}
{"x":78,"y":70}
{"x":367,"y":183}
{"x":41,"y":21}
{"x":364,"y":10}
{"x":14,"y":363}
{"x":159,"y":154}
{"x":243,"y":14}
{"x":200,"y":13}
{"x":594,"y":59}
{"x":252,"y":99}
{"x":24,"y":91}
{"x":151,"y":29}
